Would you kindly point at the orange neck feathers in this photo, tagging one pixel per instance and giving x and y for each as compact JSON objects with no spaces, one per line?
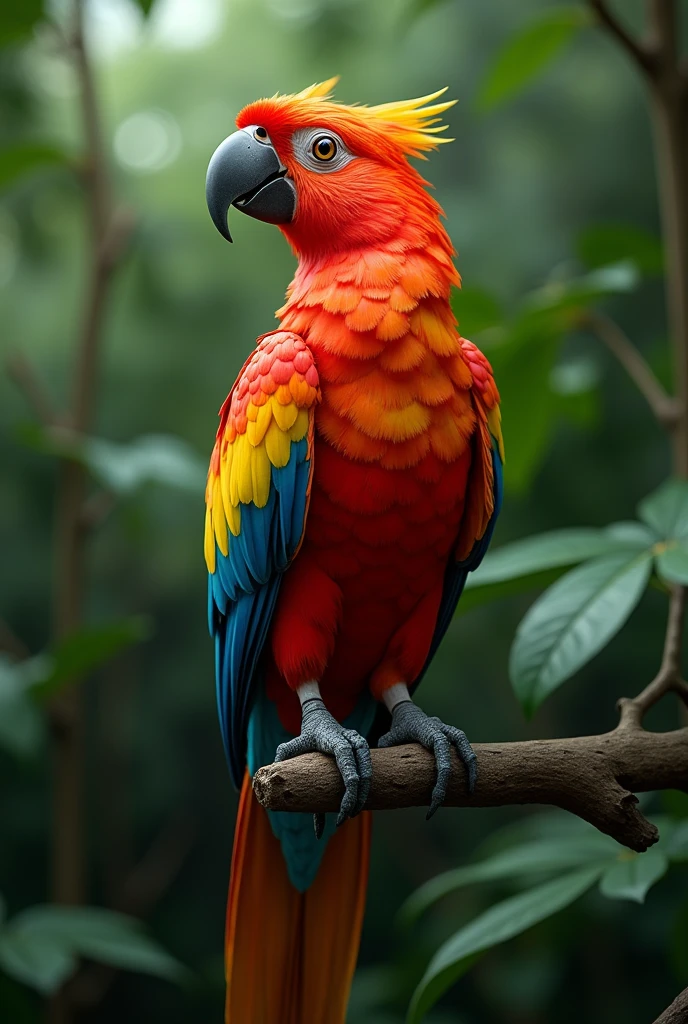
{"x":394,"y":383}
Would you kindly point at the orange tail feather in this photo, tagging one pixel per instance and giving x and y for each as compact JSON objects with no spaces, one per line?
{"x":290,"y":956}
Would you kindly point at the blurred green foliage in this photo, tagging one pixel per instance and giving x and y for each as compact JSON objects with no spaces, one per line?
{"x":551,"y":202}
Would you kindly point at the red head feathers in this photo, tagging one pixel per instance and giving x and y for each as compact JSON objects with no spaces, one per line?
{"x":346,"y":166}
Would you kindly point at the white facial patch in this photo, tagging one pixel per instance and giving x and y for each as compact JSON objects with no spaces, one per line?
{"x":320,"y":150}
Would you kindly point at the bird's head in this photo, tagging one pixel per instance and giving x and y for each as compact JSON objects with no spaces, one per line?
{"x":331,"y":176}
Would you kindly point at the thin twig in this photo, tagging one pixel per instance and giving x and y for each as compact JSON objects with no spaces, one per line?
{"x":27,"y":379}
{"x":663,"y":37}
{"x":666,"y":409}
{"x":668,"y":679}
{"x":641,"y":54}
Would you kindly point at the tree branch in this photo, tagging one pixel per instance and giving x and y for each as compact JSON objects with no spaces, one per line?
{"x":24,"y":375}
{"x":641,"y":54}
{"x":669,"y":111}
{"x":677,"y":1013}
{"x":594,"y":777}
{"x":109,"y":230}
{"x":666,"y":409}
{"x":668,"y":679}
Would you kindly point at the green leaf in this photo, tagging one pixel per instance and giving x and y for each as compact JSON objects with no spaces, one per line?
{"x":477,"y":594}
{"x":570,"y":294}
{"x":538,"y":857}
{"x":100,"y":935}
{"x":92,"y":646}
{"x":35,"y":960}
{"x":608,"y":243}
{"x":577,"y":375}
{"x":18,"y":161}
{"x":123,"y":468}
{"x":523,"y":368}
{"x":476,"y":310}
{"x":501,"y":922}
{"x":524,"y":355}
{"x":672,"y":563}
{"x":418,"y":7}
{"x":666,"y":509}
{"x":537,"y":562}
{"x":632,"y":534}
{"x":145,"y":5}
{"x":528,"y":52}
{"x":677,"y":846}
{"x":572,"y":621}
{"x":22,"y":683}
{"x":21,"y":724}
{"x":155,"y":458}
{"x":633,"y":874}
{"x":18,"y":19}
{"x":543,"y":551}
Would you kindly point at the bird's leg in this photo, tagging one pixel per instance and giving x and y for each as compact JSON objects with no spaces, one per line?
{"x":411,"y":725}
{"x":320,"y":731}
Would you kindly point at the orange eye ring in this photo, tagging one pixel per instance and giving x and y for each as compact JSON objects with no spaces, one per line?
{"x":324,"y":148}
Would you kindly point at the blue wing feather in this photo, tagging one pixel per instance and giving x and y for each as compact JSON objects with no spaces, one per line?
{"x":242,"y":594}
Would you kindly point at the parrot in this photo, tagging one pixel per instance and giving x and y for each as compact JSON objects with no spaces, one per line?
{"x":354,"y":483}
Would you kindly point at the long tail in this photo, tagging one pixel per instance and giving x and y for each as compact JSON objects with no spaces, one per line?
{"x":290,"y":956}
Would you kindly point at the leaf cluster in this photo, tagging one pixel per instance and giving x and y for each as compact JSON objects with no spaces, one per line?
{"x":560,"y":861}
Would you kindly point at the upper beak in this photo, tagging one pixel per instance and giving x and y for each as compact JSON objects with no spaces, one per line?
{"x":248,"y":174}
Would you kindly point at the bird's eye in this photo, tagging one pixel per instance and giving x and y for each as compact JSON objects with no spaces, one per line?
{"x":260,"y":134}
{"x":324,"y":147}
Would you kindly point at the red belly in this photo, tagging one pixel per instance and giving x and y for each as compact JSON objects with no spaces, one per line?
{"x":384,"y":538}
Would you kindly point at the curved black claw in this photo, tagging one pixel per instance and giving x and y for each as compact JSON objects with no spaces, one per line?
{"x":320,"y":731}
{"x":411,"y":725}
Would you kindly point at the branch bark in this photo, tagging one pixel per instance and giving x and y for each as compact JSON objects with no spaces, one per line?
{"x":666,"y":73}
{"x":677,"y":1013}
{"x":669,"y":109}
{"x":641,"y":54}
{"x":594,"y":777}
{"x":109,"y":230}
{"x":66,"y":710}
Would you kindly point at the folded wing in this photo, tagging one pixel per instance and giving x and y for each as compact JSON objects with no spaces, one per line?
{"x":256,"y":505}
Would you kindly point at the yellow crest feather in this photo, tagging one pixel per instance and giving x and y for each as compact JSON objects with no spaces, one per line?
{"x":411,"y":124}
{"x":319,"y":90}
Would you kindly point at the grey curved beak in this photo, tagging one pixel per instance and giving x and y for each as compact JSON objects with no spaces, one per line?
{"x":249,"y":175}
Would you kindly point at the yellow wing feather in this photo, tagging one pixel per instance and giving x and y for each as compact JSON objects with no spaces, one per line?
{"x":257,"y":430}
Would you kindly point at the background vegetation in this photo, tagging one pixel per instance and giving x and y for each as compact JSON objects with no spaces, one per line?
{"x":541,"y":192}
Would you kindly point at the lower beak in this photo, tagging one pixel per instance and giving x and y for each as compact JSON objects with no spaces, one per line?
{"x":249,"y":175}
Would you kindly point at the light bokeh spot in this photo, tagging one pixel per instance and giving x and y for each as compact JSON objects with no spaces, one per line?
{"x":148,"y":141}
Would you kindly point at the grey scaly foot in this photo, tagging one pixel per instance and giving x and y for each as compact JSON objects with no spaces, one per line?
{"x":320,"y":731}
{"x":411,"y":725}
